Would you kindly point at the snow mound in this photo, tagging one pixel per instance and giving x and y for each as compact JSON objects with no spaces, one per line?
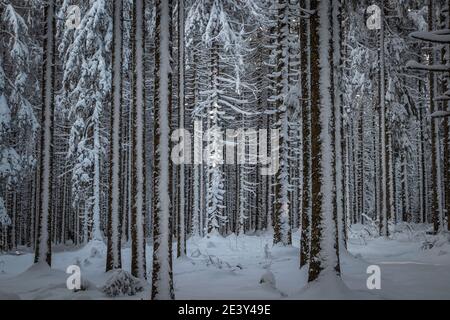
{"x":8,"y":296}
{"x":196,"y":253}
{"x":439,"y":244}
{"x":329,"y":286}
{"x":38,"y":282}
{"x":40,"y":271}
{"x":95,"y":253}
{"x":122,"y":283}
{"x":268,"y":279}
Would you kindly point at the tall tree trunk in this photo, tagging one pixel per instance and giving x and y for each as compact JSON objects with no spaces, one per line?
{"x":282,"y":229}
{"x":391,"y":213}
{"x":113,"y":257}
{"x":435,"y":196}
{"x":138,"y":268}
{"x":338,"y":53}
{"x":447,"y":131}
{"x":406,"y":215}
{"x":181,"y":239}
{"x":43,"y":252}
{"x":162,"y":284}
{"x":306,"y":134}
{"x":324,"y":247}
{"x":384,"y":223}
{"x":96,"y":232}
{"x":423,"y":176}
{"x":196,"y":229}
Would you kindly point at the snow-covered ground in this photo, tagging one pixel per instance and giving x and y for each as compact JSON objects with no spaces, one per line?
{"x":233,"y":267}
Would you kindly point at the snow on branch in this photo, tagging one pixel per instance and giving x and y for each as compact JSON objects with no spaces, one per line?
{"x":414,"y":65}
{"x":440,"y":114}
{"x":438,"y":36}
{"x":307,"y":11}
{"x":122,"y":283}
{"x":445,"y":97}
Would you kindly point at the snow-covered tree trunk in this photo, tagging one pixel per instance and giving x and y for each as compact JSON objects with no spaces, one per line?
{"x":435,"y":157}
{"x":423,"y":176}
{"x":306,"y":135}
{"x":241,"y":199}
{"x":344,"y":59}
{"x":196,"y":229}
{"x":214,"y":161}
{"x":384,"y":230}
{"x":447,"y":131}
{"x":96,"y":232}
{"x":324,"y":256}
{"x":162,"y":279}
{"x":338,"y":116}
{"x":181,"y":239}
{"x":391,"y":213}
{"x":113,"y":259}
{"x":359,"y":162}
{"x":43,"y":253}
{"x":138,"y":268}
{"x":406,"y":215}
{"x":282,"y":229}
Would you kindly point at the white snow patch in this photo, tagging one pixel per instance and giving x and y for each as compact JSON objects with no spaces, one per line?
{"x":236,"y":266}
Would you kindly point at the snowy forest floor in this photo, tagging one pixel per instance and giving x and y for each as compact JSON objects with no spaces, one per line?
{"x":413,"y":265}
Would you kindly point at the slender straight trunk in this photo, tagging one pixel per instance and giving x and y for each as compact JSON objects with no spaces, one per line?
{"x":181,"y":248}
{"x":443,"y":168}
{"x":198,"y":142}
{"x":86,"y":222}
{"x":241,"y":200}
{"x":406,"y":217}
{"x":391,"y":216}
{"x":384,"y":229}
{"x":43,"y":252}
{"x":162,"y":284}
{"x":447,"y":170}
{"x":124,"y":183}
{"x":96,"y":232}
{"x":355,"y":171}
{"x":113,"y":257}
{"x":64,"y":211}
{"x":282,"y":229}
{"x":345,"y":191}
{"x":348,"y":173}
{"x":446,"y":132}
{"x":324,"y":247}
{"x":198,"y":136}
{"x":376,"y":202}
{"x":14,"y":225}
{"x":270,"y":179}
{"x":435,"y":212}
{"x":360,"y":159}
{"x":334,"y":61}
{"x":422,"y":164}
{"x":306,"y":135}
{"x":202,"y":211}
{"x":138,"y":268}
{"x":338,"y":51}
